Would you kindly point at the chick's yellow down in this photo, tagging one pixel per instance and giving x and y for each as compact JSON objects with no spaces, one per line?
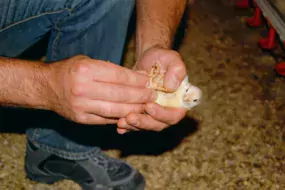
{"x":186,"y":96}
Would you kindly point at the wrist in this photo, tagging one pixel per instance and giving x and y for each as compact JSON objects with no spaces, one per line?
{"x":50,"y":86}
{"x":157,"y":22}
{"x":24,"y":83}
{"x":44,"y":87}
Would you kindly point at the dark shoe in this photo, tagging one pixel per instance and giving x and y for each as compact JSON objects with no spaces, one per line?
{"x":98,"y":172}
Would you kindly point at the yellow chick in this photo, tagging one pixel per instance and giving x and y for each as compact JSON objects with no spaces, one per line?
{"x":186,"y":96}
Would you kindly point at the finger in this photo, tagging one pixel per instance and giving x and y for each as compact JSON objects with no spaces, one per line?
{"x":143,"y":72}
{"x":115,"y":93}
{"x":122,"y":131}
{"x":108,"y":72}
{"x":122,"y":123}
{"x":91,"y":119}
{"x":107,"y":109}
{"x":144,"y":121}
{"x":175,"y":73}
{"x":170,"y":116}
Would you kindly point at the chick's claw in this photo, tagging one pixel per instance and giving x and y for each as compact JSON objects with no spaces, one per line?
{"x":156,"y":78}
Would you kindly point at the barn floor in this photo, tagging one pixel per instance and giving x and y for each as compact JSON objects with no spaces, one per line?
{"x":233,"y":140}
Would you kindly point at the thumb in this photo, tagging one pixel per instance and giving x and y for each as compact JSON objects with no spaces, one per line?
{"x":174,"y":75}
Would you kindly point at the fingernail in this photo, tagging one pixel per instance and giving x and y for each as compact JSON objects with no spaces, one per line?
{"x":147,"y":84}
{"x":174,"y":83}
{"x":154,"y":95}
{"x":150,"y":110}
{"x":121,"y":131}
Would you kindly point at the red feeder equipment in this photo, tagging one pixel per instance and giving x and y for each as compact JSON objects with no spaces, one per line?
{"x":256,"y":20}
{"x":280,"y":68}
{"x":269,"y":43}
{"x":244,"y":4}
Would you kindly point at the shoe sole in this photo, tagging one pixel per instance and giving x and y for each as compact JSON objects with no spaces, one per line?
{"x":51,"y":180}
{"x":42,"y":179}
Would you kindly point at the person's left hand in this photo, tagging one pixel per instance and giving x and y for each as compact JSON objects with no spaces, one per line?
{"x":157,"y":117}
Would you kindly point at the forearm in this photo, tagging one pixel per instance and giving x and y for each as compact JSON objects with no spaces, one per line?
{"x":23,"y":83}
{"x":157,"y":22}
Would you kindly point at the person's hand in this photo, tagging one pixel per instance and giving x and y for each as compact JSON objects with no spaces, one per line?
{"x":157,"y":117}
{"x":91,"y":91}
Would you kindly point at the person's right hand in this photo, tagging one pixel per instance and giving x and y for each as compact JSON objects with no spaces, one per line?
{"x":89,"y":91}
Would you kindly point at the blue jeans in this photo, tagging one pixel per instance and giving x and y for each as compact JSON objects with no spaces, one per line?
{"x":96,"y":28}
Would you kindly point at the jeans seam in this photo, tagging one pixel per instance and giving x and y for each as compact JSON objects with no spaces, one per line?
{"x":35,"y":134}
{"x":56,"y":40}
{"x":33,"y":17}
{"x":67,"y":154}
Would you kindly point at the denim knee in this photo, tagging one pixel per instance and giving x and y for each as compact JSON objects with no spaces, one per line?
{"x":93,"y":11}
{"x":96,"y":28}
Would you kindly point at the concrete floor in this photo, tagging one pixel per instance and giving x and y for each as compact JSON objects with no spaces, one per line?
{"x":233,"y":140}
